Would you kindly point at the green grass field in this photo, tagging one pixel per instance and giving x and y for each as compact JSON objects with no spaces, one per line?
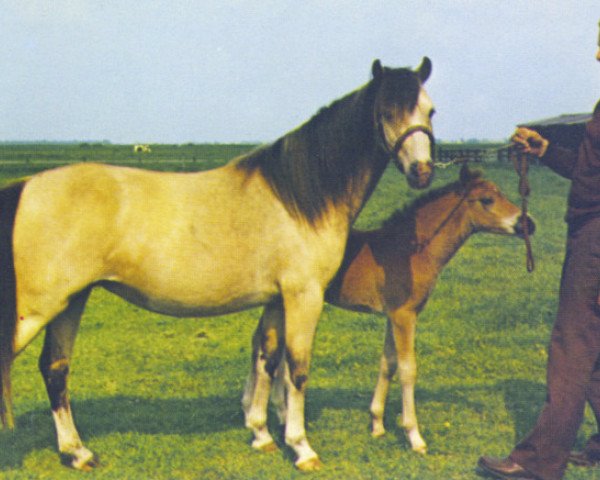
{"x":159,"y":398}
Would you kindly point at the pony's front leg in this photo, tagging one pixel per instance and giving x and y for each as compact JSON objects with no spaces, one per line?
{"x":302,"y":311}
{"x":267,"y":347}
{"x":54,"y":366}
{"x":403,"y":324}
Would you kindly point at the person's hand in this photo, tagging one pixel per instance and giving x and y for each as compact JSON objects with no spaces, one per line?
{"x":529,"y":141}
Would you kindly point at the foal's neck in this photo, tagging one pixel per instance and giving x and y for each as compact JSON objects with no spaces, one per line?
{"x":441,"y":228}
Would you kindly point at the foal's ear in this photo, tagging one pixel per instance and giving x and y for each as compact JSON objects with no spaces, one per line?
{"x":377,"y":69}
{"x":424,"y":69}
{"x":467,"y":175}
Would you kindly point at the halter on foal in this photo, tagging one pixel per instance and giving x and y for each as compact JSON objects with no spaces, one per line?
{"x":195,"y":244}
{"x":393,"y":270}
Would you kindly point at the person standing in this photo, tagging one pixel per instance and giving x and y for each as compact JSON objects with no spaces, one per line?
{"x":573,"y":370}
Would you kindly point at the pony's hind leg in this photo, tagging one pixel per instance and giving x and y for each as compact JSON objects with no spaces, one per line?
{"x":267,"y":346}
{"x":54,"y":365}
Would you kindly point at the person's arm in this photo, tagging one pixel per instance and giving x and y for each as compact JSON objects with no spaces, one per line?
{"x":560,"y":160}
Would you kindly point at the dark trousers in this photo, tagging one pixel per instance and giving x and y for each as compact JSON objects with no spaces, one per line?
{"x":573,"y":372}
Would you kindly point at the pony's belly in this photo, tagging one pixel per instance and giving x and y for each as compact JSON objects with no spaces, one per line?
{"x":180,"y":307}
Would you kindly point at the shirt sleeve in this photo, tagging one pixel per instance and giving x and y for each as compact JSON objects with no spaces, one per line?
{"x":561,"y":160}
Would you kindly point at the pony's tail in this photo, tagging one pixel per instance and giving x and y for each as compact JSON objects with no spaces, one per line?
{"x":9,"y":200}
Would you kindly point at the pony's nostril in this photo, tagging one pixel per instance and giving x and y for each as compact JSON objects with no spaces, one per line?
{"x":420,"y":174}
{"x":421,"y":168}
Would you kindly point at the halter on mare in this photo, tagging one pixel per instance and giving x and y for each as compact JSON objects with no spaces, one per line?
{"x":393,"y":152}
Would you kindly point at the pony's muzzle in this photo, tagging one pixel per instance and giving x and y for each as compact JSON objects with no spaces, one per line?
{"x":420,"y":174}
{"x":519,"y":227}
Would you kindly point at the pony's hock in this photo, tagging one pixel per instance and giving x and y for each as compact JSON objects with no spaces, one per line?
{"x":156,"y":239}
{"x":392,"y":271}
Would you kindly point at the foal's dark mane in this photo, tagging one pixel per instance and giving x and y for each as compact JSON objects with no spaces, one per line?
{"x":399,"y":218}
{"x":320,"y":161}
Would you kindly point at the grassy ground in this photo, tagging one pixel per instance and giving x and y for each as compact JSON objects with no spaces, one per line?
{"x":158,"y":398}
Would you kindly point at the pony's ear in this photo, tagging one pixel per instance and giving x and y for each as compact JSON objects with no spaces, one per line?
{"x":377,"y":70}
{"x":424,"y":69}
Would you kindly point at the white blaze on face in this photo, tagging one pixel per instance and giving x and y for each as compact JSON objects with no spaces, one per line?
{"x":510,"y":223}
{"x":417,"y":146}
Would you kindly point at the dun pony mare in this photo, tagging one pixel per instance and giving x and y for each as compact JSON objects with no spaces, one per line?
{"x":269,"y":228}
{"x":392,"y":271}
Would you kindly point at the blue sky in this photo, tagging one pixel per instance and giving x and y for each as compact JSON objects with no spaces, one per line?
{"x":249,"y":71}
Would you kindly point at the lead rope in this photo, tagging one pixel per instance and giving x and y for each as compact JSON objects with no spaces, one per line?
{"x":520,"y":162}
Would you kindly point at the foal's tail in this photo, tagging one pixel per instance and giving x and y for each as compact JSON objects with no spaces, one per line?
{"x":9,"y":200}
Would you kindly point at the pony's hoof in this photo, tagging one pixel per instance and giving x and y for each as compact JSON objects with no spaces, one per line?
{"x":310,"y":465}
{"x":86,"y":461}
{"x":378,"y":432}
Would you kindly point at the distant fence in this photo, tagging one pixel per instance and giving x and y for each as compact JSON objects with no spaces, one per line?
{"x":447,"y":153}
{"x":200,"y":155}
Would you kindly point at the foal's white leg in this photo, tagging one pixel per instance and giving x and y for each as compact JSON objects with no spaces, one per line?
{"x":54,"y":366}
{"x":267,"y":346}
{"x":302,"y":311}
{"x":403,"y":325}
{"x":387,"y":369}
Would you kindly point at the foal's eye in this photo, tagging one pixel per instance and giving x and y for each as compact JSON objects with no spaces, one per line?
{"x":486,"y":201}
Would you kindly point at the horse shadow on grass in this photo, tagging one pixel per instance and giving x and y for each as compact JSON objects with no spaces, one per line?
{"x":103,"y":416}
{"x":97,"y":417}
{"x":523,"y":401}
{"x":446,"y":398}
{"x":205,"y":415}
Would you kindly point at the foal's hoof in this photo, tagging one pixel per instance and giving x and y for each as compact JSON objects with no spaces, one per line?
{"x":310,"y":465}
{"x":266,"y":448}
{"x":85,"y":463}
{"x":421,"y":450}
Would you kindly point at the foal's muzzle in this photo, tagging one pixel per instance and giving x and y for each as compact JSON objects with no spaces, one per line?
{"x":519,"y":231}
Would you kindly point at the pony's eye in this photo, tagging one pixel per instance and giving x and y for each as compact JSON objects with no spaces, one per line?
{"x":387,"y":116}
{"x":486,"y":201}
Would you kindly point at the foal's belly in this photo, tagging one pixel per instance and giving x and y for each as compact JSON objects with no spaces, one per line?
{"x":186,"y":307}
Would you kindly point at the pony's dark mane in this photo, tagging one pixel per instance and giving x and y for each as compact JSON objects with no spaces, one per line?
{"x":318,"y":163}
{"x":402,"y":215}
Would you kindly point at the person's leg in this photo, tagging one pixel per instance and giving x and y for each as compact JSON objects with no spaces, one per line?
{"x":574,"y":349}
{"x":590,"y":455}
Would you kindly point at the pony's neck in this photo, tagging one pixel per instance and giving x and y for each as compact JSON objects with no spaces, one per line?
{"x":328,"y":166}
{"x":341,"y":138}
{"x":441,"y":228}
